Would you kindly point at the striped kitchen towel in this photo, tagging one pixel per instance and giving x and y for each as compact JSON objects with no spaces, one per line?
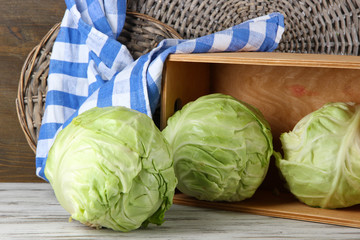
{"x":90,"y":68}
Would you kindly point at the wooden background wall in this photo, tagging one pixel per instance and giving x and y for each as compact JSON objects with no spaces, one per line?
{"x":22,"y":26}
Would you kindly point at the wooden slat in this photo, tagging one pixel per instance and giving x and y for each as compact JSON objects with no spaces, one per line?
{"x":273,"y":59}
{"x":31,"y":211}
{"x":282,"y":205}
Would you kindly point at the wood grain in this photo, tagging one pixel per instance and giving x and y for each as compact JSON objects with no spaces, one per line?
{"x":31,"y":211}
{"x":286,"y":94}
{"x":272,"y":59}
{"x":22,"y":25}
{"x":282,"y":205}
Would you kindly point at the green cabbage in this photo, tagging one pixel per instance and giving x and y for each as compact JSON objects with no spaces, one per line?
{"x":111,"y":167}
{"x":321,"y":162}
{"x":221,"y":146}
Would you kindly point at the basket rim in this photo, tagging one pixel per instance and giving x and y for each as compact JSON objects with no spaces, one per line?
{"x":149,"y":18}
{"x":24,"y":81}
{"x":29,"y":64}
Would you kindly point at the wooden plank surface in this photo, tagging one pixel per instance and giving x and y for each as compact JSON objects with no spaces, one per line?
{"x":31,"y":211}
{"x":22,"y":26}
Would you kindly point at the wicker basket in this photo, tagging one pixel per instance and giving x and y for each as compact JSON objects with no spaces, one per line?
{"x":140,"y":34}
{"x":325,"y":27}
{"x":311,"y":26}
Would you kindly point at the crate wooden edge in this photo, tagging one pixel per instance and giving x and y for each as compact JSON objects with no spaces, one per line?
{"x":295,"y":210}
{"x":272,"y":59}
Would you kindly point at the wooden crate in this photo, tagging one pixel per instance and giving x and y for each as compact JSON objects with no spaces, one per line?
{"x":284,"y":87}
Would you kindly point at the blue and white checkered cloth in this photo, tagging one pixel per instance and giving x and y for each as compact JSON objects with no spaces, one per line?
{"x":90,"y":68}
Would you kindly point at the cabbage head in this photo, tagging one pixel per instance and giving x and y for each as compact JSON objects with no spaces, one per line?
{"x":221,"y":147}
{"x":321,"y":163}
{"x":111,"y":167}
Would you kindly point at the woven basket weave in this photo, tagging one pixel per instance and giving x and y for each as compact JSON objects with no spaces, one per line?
{"x":311,"y":26}
{"x":323,"y":27}
{"x":140,"y":34}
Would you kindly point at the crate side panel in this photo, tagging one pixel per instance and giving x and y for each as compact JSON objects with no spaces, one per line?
{"x":286,"y":94}
{"x":182,"y":82}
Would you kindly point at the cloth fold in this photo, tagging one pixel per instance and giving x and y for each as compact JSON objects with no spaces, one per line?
{"x":90,"y":68}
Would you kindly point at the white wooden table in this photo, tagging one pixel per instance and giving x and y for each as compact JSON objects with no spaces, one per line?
{"x":31,"y":211}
